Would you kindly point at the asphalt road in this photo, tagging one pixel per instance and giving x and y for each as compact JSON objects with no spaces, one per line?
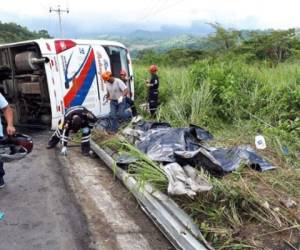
{"x":52,"y":202}
{"x":39,"y":211}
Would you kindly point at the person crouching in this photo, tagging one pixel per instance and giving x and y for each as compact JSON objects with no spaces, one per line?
{"x":75,"y":118}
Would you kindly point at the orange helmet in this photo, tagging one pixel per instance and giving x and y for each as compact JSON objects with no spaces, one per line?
{"x":153,"y":68}
{"x":123,"y":72}
{"x":106,"y":75}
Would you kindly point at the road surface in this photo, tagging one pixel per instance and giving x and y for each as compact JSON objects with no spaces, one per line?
{"x":53,"y":202}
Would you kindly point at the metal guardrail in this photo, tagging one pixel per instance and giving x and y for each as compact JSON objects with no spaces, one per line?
{"x":172,"y":221}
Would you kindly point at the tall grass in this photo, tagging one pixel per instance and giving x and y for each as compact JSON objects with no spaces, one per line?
{"x":235,"y":96}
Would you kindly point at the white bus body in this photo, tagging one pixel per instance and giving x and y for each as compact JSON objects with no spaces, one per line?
{"x":42,"y":78}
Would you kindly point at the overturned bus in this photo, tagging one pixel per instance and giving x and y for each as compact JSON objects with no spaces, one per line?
{"x":42,"y":78}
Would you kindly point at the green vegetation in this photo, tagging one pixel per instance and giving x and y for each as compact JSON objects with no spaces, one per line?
{"x":11,"y":32}
{"x":271,"y":46}
{"x":242,"y":84}
{"x":238,"y":89}
{"x":236,"y":101}
{"x":144,"y":170}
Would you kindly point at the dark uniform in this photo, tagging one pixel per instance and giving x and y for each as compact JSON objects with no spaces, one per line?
{"x":153,"y":94}
{"x":88,"y":120}
{"x":128,"y":100}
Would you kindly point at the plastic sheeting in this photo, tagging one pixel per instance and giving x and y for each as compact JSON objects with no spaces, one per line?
{"x":160,"y":143}
{"x":124,"y":160}
{"x":165,"y":144}
{"x":145,"y":126}
{"x":104,"y":124}
{"x":219,"y":161}
{"x":184,"y":180}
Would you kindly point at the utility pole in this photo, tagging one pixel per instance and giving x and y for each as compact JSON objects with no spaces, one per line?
{"x":59,"y":11}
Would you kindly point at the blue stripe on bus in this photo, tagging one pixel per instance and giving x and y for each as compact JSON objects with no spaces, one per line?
{"x":83,"y":91}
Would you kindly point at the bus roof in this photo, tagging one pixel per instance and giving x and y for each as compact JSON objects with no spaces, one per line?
{"x":42,"y":41}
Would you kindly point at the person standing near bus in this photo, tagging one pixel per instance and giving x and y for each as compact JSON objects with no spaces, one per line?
{"x":128,"y":100}
{"x":10,"y":130}
{"x":153,"y":85}
{"x":116,"y":93}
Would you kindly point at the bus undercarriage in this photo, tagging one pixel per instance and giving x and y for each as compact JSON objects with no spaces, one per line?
{"x":23,"y":83}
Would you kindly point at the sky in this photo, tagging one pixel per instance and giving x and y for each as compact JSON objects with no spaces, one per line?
{"x":90,"y":16}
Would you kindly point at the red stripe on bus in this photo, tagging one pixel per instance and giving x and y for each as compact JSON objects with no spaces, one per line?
{"x":78,"y":81}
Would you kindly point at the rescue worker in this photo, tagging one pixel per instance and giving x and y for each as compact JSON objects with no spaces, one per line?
{"x":153,"y":85}
{"x":10,"y":130}
{"x":116,"y":93}
{"x":128,"y":100}
{"x":75,"y":118}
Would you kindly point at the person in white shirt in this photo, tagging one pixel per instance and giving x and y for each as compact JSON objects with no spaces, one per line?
{"x":116,"y":93}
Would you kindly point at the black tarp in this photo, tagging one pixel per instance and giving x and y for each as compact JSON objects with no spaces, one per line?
{"x":165,"y":144}
{"x":160,"y":142}
{"x":219,"y":161}
{"x":104,"y":124}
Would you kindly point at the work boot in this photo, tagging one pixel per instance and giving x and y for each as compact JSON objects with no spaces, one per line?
{"x":85,"y":153}
{"x":53,"y":141}
{"x":85,"y":148}
{"x":2,"y":183}
{"x":51,"y":145}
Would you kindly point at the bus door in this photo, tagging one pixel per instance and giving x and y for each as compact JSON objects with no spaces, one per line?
{"x":119,"y":61}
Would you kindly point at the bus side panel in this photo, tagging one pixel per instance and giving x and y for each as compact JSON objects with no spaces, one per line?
{"x":103,"y":64}
{"x":78,"y":73}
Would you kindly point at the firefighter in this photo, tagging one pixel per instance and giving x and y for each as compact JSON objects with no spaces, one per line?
{"x":153,"y":85}
{"x":128,"y":100}
{"x":75,"y":118}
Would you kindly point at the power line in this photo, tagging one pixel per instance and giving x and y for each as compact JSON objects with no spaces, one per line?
{"x":162,"y":8}
{"x":59,"y":11}
{"x":155,"y":6}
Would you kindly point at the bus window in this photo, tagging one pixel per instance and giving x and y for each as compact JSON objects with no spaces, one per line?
{"x":118,"y":59}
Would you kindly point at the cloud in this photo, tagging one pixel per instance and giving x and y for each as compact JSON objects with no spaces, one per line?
{"x":92,"y":16}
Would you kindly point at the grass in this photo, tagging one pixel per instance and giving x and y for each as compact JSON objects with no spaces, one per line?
{"x":144,"y":170}
{"x":243,"y":207}
{"x":263,"y":100}
{"x":243,"y":210}
{"x":235,"y":102}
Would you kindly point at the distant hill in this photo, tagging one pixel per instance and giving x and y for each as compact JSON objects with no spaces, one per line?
{"x":166,"y":38}
{"x":11,"y":32}
{"x":141,"y":40}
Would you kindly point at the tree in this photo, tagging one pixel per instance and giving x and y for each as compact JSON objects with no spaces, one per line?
{"x":12,"y":32}
{"x":275,"y":46}
{"x":223,"y":39}
{"x":43,"y":34}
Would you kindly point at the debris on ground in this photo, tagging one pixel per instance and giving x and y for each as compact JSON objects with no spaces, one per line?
{"x":184,"y":180}
{"x":162,"y":143}
{"x":260,"y":142}
{"x":288,"y":202}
